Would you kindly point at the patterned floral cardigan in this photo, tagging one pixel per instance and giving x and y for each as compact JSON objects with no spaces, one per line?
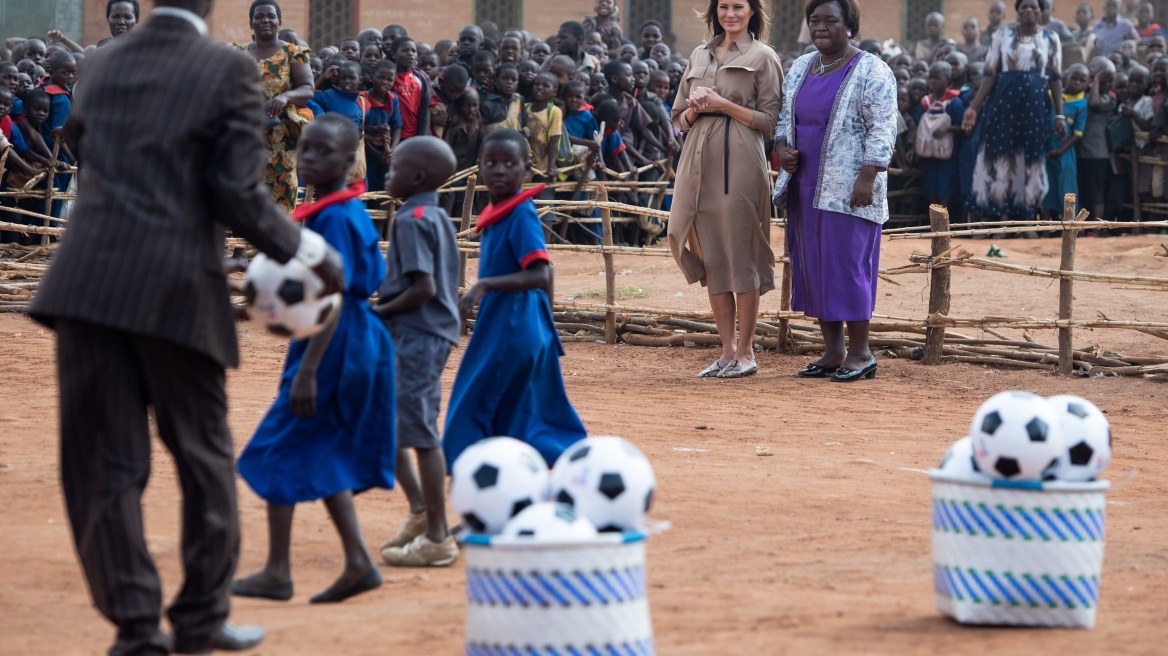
{"x":861,"y":132}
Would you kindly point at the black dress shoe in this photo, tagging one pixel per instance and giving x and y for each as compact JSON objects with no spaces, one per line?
{"x":371,"y":580}
{"x":228,"y":638}
{"x":816,"y":371}
{"x":851,"y":375}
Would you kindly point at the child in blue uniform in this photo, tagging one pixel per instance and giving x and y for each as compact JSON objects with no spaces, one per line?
{"x":509,"y":382}
{"x":330,"y":433}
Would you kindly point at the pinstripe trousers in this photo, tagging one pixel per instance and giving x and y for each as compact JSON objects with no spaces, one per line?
{"x":108,"y":380}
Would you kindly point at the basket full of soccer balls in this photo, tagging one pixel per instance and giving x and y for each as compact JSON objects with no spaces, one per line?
{"x":556,"y":560}
{"x":1019,"y":515}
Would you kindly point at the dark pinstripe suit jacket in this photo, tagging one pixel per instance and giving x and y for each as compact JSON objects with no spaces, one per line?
{"x":168,"y":127}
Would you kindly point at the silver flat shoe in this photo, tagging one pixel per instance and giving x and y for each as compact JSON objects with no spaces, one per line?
{"x":736,"y":370}
{"x":713,"y":370}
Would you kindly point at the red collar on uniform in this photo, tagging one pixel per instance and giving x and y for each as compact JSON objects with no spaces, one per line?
{"x":56,"y":90}
{"x":949,"y":94}
{"x":376,"y":104}
{"x":496,"y":213}
{"x":309,"y":210}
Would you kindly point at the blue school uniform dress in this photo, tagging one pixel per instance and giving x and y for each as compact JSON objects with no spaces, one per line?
{"x":509,"y":382}
{"x":582,"y":125}
{"x":1063,"y":172}
{"x":942,"y":176}
{"x":349,"y":444}
{"x":380,"y":114}
{"x":60,"y":106}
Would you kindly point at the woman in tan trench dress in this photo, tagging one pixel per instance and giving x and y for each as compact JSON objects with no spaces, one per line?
{"x":719,"y":225}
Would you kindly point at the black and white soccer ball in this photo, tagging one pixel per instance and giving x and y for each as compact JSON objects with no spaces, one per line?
{"x":288,"y":298}
{"x":606,"y":479}
{"x":549,"y":522}
{"x":494,"y":480}
{"x":959,"y":460}
{"x":1088,"y":438}
{"x":1017,"y":436}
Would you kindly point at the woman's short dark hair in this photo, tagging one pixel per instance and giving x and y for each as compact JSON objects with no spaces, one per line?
{"x":109,"y":8}
{"x":848,"y":10}
{"x":759,"y":22}
{"x":652,"y":23}
{"x":256,"y":4}
{"x":1042,"y":5}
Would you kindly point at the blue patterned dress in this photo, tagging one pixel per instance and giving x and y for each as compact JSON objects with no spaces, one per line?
{"x":1009,"y":176}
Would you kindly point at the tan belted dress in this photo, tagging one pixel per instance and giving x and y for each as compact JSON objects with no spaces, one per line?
{"x":719,"y":225}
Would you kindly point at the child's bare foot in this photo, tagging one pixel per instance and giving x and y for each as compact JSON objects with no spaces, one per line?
{"x":264,"y":584}
{"x":353,"y":581}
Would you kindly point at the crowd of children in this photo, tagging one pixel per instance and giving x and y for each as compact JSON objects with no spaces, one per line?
{"x":560,"y":93}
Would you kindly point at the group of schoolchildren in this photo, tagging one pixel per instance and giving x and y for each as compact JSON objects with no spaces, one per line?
{"x":1108,"y":96}
{"x":36,"y":97}
{"x":463,"y":90}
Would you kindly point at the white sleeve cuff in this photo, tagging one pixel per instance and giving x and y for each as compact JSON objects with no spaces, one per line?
{"x":313,"y":248}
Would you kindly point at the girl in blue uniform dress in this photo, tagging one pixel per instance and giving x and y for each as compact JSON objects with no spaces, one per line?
{"x":330,"y":433}
{"x":509,"y":382}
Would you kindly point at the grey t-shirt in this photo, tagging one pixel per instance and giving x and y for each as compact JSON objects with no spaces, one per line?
{"x":423,"y":241}
{"x":1094,"y":144}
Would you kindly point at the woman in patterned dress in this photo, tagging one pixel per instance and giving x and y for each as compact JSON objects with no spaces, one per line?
{"x":1022,"y":92}
{"x":287,"y":81}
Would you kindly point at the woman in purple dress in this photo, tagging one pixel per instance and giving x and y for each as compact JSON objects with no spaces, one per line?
{"x":834,"y":138}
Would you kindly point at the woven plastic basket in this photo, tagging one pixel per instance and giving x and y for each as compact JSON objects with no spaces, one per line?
{"x":584,"y":597}
{"x":1027,"y":554}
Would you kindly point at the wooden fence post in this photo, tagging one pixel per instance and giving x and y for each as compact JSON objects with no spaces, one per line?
{"x":785,"y":297}
{"x":467,"y":211}
{"x":1135,"y":177}
{"x":1066,"y":360}
{"x":939,"y":278}
{"x":609,"y":269}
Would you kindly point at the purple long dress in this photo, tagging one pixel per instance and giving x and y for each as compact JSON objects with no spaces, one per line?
{"x":835,"y":257}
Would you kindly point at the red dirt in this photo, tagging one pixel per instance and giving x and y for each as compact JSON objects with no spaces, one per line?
{"x":824,"y":547}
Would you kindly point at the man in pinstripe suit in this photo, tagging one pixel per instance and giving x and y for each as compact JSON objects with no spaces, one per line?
{"x":168,"y":127}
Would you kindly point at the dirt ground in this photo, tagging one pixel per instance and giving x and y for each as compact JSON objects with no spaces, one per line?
{"x":822,"y":548}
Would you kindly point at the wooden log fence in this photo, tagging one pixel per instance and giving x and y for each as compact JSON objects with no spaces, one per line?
{"x":930,"y":339}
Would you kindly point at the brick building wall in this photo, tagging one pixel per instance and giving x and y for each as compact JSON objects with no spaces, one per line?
{"x":430,"y":20}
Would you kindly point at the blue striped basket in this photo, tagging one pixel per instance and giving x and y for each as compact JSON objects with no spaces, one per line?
{"x":1027,"y":554}
{"x":584,"y":598}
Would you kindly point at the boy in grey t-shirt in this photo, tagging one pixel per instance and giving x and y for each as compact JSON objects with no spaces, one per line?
{"x":419,"y":303}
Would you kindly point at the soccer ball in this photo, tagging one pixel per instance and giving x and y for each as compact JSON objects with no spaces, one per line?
{"x":1088,"y":438}
{"x":606,"y":479}
{"x":494,"y":480}
{"x":959,"y":460}
{"x":1017,"y":436}
{"x":549,"y":521}
{"x":286,"y":298}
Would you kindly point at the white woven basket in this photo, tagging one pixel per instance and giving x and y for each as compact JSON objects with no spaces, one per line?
{"x":585,"y":597}
{"x":1027,"y":554}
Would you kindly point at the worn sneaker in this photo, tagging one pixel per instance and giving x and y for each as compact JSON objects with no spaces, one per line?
{"x":411,"y":527}
{"x":421,"y":552}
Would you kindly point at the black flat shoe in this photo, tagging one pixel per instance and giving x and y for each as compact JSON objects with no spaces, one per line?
{"x":246,"y":588}
{"x":816,"y":371}
{"x":371,"y":580}
{"x":852,"y":375}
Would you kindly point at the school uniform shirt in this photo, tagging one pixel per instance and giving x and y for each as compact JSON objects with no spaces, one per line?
{"x":542,"y":127}
{"x":17,"y":111}
{"x":14,"y":136}
{"x":341,"y":102}
{"x":509,"y":381}
{"x":1094,"y":143}
{"x":581,"y":125}
{"x":60,"y":106}
{"x":424,"y":242}
{"x":387,"y":113}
